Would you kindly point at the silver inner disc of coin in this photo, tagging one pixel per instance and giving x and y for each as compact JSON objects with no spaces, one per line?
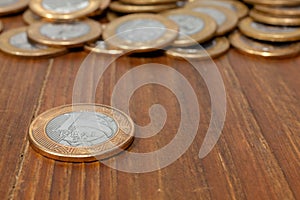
{"x":7,"y":2}
{"x":141,"y":30}
{"x":65,"y":31}
{"x":272,"y":29}
{"x":65,"y":6}
{"x":214,"y":13}
{"x":188,"y":24}
{"x":81,"y":129}
{"x":223,"y":4}
{"x":20,"y":41}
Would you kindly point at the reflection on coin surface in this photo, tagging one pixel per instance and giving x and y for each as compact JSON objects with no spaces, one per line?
{"x":82,"y":132}
{"x":65,"y":6}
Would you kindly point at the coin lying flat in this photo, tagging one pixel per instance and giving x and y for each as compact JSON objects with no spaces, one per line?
{"x":129,"y":8}
{"x":194,"y":27}
{"x":140,"y":32}
{"x":29,"y":17}
{"x":207,"y":50}
{"x":15,"y":42}
{"x":148,"y":2}
{"x":225,"y":18}
{"x":291,"y":11}
{"x":81,"y":133}
{"x":71,"y":34}
{"x":101,"y":48}
{"x":274,"y":2}
{"x":12,"y":6}
{"x":266,"y":32}
{"x":265,"y":49}
{"x":64,"y":9}
{"x":239,"y":8}
{"x":274,"y":20}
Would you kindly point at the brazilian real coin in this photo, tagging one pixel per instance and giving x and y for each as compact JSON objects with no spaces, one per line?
{"x":12,"y":6}
{"x":207,"y":50}
{"x":140,"y":32}
{"x":288,"y":11}
{"x":130,"y":8}
{"x":194,"y":27}
{"x":64,"y":9}
{"x":274,"y":2}
{"x":29,"y":17}
{"x":266,"y":32}
{"x":148,"y":2}
{"x":68,"y":34}
{"x":225,"y":18}
{"x":81,"y":133}
{"x":15,"y":42}
{"x":265,"y":49}
{"x":100,"y":47}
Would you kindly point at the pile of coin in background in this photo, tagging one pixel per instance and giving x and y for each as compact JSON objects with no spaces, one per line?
{"x":134,"y":26}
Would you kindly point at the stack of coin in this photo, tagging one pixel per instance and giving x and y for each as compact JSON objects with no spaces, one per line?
{"x":272,"y":30}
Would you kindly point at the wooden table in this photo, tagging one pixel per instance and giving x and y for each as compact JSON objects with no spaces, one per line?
{"x":256,"y":157}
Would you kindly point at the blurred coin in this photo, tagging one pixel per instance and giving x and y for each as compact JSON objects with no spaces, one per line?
{"x":265,"y":49}
{"x":71,"y":34}
{"x":266,"y":32}
{"x":110,"y":15}
{"x":274,"y":2}
{"x":12,"y":6}
{"x":1,"y":26}
{"x":291,"y":11}
{"x":29,"y":17}
{"x":101,"y":48}
{"x":140,"y":32}
{"x":207,"y":50}
{"x":147,"y":2}
{"x":15,"y":42}
{"x":81,"y":133}
{"x":104,"y":4}
{"x":129,"y":8}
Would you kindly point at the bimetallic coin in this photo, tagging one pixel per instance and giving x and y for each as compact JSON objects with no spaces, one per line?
{"x":147,"y":2}
{"x":266,"y":32}
{"x":81,"y":133}
{"x":101,"y":48}
{"x":140,"y":32}
{"x":29,"y":17}
{"x":129,"y":8}
{"x":64,"y":10}
{"x":71,"y":34}
{"x":194,"y":27}
{"x":12,"y":6}
{"x":207,"y":50}
{"x":225,"y":18}
{"x":265,"y":49}
{"x":15,"y":42}
{"x":274,"y":2}
{"x":288,"y":11}
{"x":274,"y":20}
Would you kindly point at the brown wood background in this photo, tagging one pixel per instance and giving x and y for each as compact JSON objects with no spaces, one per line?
{"x":257,"y":156}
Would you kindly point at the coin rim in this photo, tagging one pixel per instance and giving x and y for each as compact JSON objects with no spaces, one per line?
{"x":94,"y":33}
{"x":87,"y":155}
{"x":118,"y":43}
{"x":147,"y":2}
{"x":246,"y":28}
{"x":222,"y":45}
{"x":14,"y":8}
{"x":10,"y":49}
{"x":92,"y":48}
{"x":37,"y":8}
{"x":1,"y":26}
{"x":117,"y":6}
{"x":28,"y":17}
{"x":277,"y":10}
{"x":273,"y":2}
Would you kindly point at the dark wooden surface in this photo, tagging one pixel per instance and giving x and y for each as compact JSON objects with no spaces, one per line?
{"x":256,"y":157}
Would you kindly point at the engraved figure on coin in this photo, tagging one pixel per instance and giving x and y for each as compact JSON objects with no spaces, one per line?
{"x":189,"y":25}
{"x":81,"y":129}
{"x":20,"y":41}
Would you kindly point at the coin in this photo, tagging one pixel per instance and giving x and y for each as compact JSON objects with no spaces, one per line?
{"x":207,"y":50}
{"x":291,"y":11}
{"x":103,"y":5}
{"x":225,"y":18}
{"x":265,"y":49}
{"x":29,"y":17}
{"x":140,"y":32}
{"x":129,"y":8}
{"x":15,"y":42}
{"x":194,"y":27}
{"x":239,"y":8}
{"x":148,"y":2}
{"x":274,"y":2}
{"x":101,"y":48}
{"x":64,"y":10}
{"x":1,"y":26}
{"x":274,"y":20}
{"x":266,"y":32}
{"x":71,"y":34}
{"x":12,"y":6}
{"x":81,"y":133}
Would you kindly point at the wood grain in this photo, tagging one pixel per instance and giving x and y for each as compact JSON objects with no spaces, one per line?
{"x":257,"y":156}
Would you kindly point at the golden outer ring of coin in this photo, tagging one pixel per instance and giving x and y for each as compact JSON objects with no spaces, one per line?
{"x":14,"y":8}
{"x":110,"y":15}
{"x":282,"y":11}
{"x":36,"y":7}
{"x":113,"y":41}
{"x":29,"y":17}
{"x":203,"y":35}
{"x":274,"y":2}
{"x":246,"y":28}
{"x":273,"y":20}
{"x":228,"y":25}
{"x":127,"y":8}
{"x":241,"y":9}
{"x":92,"y":48}
{"x":1,"y":26}
{"x":147,"y":2}
{"x":222,"y":45}
{"x":237,"y":40}
{"x":41,"y":142}
{"x":35,"y":35}
{"x":103,"y":5}
{"x":6,"y":47}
